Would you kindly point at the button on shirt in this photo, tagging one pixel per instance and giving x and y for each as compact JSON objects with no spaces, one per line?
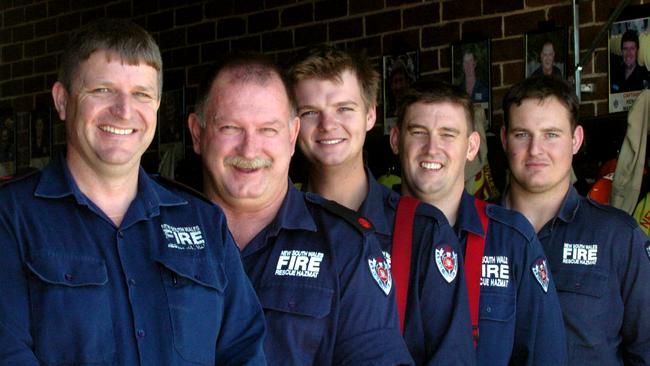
{"x":165,"y":288}
{"x":520,"y":320}
{"x":600,"y":262}
{"x":437,"y":323}
{"x":320,"y":283}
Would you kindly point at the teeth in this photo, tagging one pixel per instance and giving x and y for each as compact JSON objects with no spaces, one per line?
{"x":330,"y":142}
{"x":116,"y":131}
{"x":434,"y":166}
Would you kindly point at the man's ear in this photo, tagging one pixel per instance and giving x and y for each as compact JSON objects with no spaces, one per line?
{"x":394,"y":139}
{"x":473,"y":145}
{"x":294,"y":129}
{"x":578,"y":138}
{"x":504,"y":139}
{"x":60,"y":97}
{"x":371,"y":117}
{"x":194,"y":124}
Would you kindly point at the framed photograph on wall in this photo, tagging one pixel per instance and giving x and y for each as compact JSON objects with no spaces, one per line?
{"x":40,"y":139}
{"x":629,"y":58}
{"x":171,"y":125}
{"x":546,"y":53}
{"x":8,"y":148}
{"x":399,"y":72}
{"x":471,"y":72}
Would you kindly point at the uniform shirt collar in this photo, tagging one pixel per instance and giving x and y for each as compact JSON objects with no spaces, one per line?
{"x":56,"y":181}
{"x":468,"y":219}
{"x":373,"y":207}
{"x":570,"y":204}
{"x":293,"y":213}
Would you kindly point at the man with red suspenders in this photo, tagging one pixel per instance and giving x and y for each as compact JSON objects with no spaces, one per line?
{"x":515,"y":311}
{"x":336,"y":94}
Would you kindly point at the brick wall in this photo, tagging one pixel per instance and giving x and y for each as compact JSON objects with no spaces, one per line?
{"x":190,"y":33}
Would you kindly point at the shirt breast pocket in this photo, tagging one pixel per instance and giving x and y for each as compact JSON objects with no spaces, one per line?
{"x":70,"y":308}
{"x":298,"y":319}
{"x":496,"y":319}
{"x":581,"y":295}
{"x":194,"y":288}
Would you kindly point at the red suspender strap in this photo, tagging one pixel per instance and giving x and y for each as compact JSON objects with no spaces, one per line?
{"x":401,"y":252}
{"x":473,"y":261}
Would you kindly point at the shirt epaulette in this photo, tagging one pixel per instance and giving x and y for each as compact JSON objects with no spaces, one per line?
{"x":352,"y":217}
{"x":170,"y":183}
{"x":614,"y":213}
{"x":18,"y":178}
{"x":513,"y":219}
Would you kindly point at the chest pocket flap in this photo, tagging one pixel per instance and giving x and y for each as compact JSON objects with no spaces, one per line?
{"x":297,"y":299}
{"x":589,"y":281}
{"x":69,"y":271}
{"x":199,"y":270}
{"x":497,"y":307}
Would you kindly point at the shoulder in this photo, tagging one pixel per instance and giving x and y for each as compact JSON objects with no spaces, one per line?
{"x":431,"y":212}
{"x":337,"y":212}
{"x":510,"y":220}
{"x":19,"y":186}
{"x":176,"y":192}
{"x":599,"y":214}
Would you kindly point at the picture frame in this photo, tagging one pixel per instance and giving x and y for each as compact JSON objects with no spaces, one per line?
{"x":8,"y":146}
{"x":629,"y":57}
{"x":546,"y":52}
{"x":40,"y":138}
{"x":473,"y":58}
{"x":399,"y":71}
{"x":58,"y":133}
{"x":171,"y":124}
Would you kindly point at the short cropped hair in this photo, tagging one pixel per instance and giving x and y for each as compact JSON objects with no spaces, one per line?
{"x":540,"y":88}
{"x":328,"y":63}
{"x":432,"y":91}
{"x":630,"y":35}
{"x":253,"y":67}
{"x":130,"y":41}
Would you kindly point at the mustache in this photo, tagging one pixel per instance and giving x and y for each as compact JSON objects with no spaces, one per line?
{"x":243,"y":163}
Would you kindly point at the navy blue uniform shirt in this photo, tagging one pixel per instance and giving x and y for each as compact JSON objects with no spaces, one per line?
{"x":600,"y":262}
{"x":520,"y":320}
{"x":325,"y":288}
{"x":437,"y":324}
{"x":166,"y":287}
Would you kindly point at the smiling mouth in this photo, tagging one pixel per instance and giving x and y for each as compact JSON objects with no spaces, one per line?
{"x":116,"y":131}
{"x":430,"y":165}
{"x":330,"y":141}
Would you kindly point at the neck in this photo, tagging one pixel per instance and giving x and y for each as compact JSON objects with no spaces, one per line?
{"x":447,"y":202}
{"x":538,"y":208}
{"x":112,"y":192}
{"x":346,"y":184}
{"x":246,"y":220}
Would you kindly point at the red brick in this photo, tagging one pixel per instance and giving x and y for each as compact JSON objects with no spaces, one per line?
{"x":421,"y":15}
{"x":440,"y":35}
{"x":515,"y":73}
{"x":484,"y":27}
{"x":585,"y":13}
{"x":586,"y":110}
{"x":45,"y":63}
{"x":12,"y":53}
{"x":252,"y":43}
{"x":445,"y":59}
{"x":601,"y":60}
{"x":534,"y":3}
{"x":524,"y":22}
{"x":297,"y":15}
{"x":119,"y":10}
{"x":34,"y":84}
{"x":172,"y":38}
{"x":264,"y":21}
{"x":23,"y":33}
{"x":346,"y":28}
{"x":395,"y":43}
{"x":189,"y":15}
{"x":383,"y":22}
{"x":14,"y":17}
{"x":362,"y":6}
{"x":400,"y":2}
{"x":231,"y":27}
{"x":588,"y":34}
{"x":56,"y":7}
{"x":34,"y":12}
{"x":22,"y":68}
{"x":507,"y":49}
{"x":602,"y":108}
{"x":201,"y":33}
{"x":330,"y":9}
{"x":277,"y":40}
{"x":372,"y":45}
{"x":94,"y":14}
{"x":562,"y":15}
{"x":453,"y":10}
{"x":310,"y":35}
{"x":210,"y":51}
{"x":45,"y":27}
{"x":493,"y":7}
{"x":429,"y":61}
{"x":496,"y":75}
